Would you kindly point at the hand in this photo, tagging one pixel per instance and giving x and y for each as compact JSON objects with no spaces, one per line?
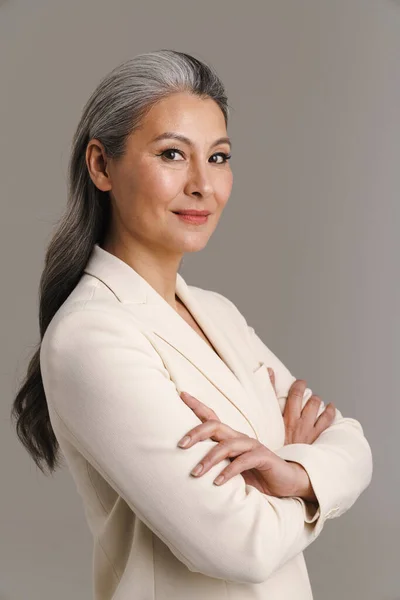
{"x":259,"y":466}
{"x":301,"y":426}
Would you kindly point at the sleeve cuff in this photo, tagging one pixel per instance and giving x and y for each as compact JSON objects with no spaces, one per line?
{"x":311,"y":510}
{"x":312,"y":460}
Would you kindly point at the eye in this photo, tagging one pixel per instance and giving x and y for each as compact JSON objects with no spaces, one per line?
{"x":173,"y":150}
{"x":224,"y":156}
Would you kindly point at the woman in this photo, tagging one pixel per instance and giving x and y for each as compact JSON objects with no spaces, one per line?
{"x":123,"y":335}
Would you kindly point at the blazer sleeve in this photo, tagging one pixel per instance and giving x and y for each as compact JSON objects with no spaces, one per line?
{"x":339,"y":462}
{"x":110,"y":394}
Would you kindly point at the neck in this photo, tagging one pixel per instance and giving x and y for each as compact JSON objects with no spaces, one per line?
{"x":159,"y":272}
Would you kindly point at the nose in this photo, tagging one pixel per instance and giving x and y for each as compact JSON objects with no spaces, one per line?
{"x":199,"y":181}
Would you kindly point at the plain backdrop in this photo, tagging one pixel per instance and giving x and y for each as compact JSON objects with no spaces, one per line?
{"x":314,"y":87}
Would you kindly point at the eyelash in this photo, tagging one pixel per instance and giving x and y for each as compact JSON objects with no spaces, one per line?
{"x":223,"y":154}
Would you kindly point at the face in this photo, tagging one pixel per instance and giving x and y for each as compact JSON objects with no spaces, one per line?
{"x":155,"y":179}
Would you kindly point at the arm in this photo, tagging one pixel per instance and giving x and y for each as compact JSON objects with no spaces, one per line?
{"x":111,"y":395}
{"x":305,"y":489}
{"x":339,"y":462}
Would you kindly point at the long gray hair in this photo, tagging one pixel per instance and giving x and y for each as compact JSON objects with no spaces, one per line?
{"x":111,"y":114}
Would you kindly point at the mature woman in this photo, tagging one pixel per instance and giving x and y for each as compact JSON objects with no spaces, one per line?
{"x":123,"y":336}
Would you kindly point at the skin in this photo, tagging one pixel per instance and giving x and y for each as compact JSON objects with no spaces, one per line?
{"x":145,"y":186}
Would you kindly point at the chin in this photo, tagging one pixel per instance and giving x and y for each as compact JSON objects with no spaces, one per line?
{"x":194,"y":244}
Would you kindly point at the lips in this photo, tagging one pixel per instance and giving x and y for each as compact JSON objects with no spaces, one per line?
{"x":195,"y":219}
{"x":194,"y":213}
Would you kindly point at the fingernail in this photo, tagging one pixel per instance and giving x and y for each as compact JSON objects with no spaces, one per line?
{"x":219,"y":479}
{"x":184,"y":441}
{"x":197,"y":470}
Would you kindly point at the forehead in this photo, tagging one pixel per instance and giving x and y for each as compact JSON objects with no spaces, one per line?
{"x":199,"y":119}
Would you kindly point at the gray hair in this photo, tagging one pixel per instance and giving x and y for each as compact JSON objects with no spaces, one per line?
{"x":114,"y":111}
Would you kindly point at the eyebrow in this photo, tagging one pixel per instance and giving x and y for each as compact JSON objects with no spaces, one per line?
{"x":182,"y":138}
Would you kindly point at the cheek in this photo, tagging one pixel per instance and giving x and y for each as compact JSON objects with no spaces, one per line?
{"x":161,"y":184}
{"x":223,"y":189}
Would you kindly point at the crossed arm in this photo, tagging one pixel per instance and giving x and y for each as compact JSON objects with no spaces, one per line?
{"x":339,"y":463}
{"x":111,"y":396}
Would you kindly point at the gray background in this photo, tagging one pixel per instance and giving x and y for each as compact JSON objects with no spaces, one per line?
{"x":307,"y":246}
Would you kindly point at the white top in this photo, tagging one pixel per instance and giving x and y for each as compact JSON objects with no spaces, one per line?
{"x":114,"y":360}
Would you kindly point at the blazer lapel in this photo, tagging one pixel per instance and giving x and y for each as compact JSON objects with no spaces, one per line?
{"x":226,"y":371}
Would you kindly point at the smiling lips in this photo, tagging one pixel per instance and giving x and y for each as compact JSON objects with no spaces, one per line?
{"x":196,"y":213}
{"x":193,"y":216}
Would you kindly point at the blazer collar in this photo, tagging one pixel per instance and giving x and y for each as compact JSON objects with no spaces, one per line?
{"x":225,"y":371}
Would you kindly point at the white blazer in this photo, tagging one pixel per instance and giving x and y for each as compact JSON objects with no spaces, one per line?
{"x":114,"y":360}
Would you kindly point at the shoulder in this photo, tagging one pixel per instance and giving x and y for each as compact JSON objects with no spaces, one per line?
{"x":91,"y":316}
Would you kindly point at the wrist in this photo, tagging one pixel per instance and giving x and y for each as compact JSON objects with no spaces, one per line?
{"x":303,"y":488}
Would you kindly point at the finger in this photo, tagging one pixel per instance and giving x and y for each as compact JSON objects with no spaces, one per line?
{"x":253,"y":459}
{"x":310,"y":410}
{"x":226,"y":449}
{"x":202,"y":411}
{"x":325,"y":419}
{"x":272,"y":377}
{"x":210,"y":429}
{"x":294,"y":402}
